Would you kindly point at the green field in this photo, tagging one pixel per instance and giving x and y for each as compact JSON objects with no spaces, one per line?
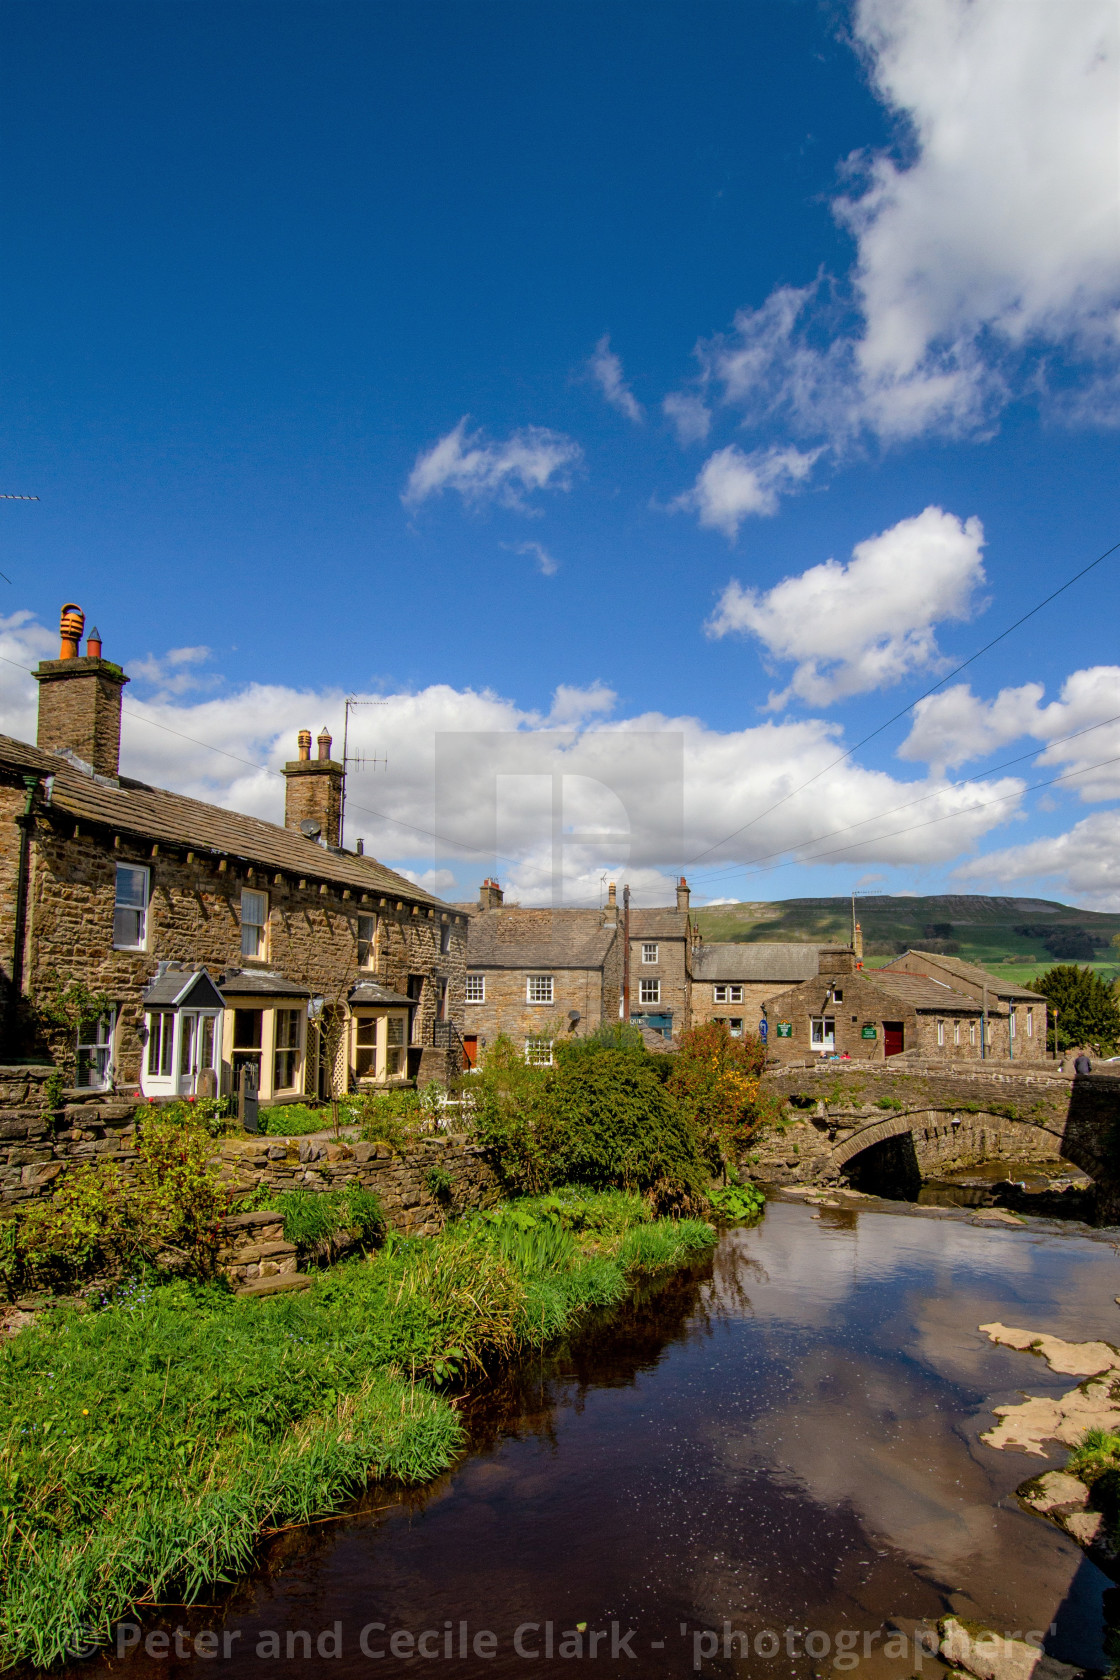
{"x":1014,"y":937}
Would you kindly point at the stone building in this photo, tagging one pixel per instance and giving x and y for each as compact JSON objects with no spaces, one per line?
{"x":870,"y":1015}
{"x":538,"y":975}
{"x":216,"y":941}
{"x":732,"y":980}
{"x":1016,"y":1015}
{"x":661,"y":966}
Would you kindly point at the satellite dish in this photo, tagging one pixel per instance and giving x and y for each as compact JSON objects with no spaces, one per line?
{"x":310,"y":827}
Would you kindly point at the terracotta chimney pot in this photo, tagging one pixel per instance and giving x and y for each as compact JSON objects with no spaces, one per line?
{"x":324,"y":743}
{"x":93,"y":644}
{"x":71,"y":625}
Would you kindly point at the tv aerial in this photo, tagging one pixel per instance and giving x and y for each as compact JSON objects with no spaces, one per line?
{"x":362,"y":761}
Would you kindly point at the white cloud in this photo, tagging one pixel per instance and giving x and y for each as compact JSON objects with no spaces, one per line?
{"x":1083,"y":864}
{"x":547,"y":564}
{"x":606,"y":370}
{"x":176,"y":672}
{"x":865,"y":625}
{"x":23,"y":642}
{"x":575,"y":705}
{"x":955,"y":726}
{"x":689,"y":415}
{"x":202,"y":746}
{"x":731,"y":485}
{"x":988,"y":241}
{"x":531,"y":459}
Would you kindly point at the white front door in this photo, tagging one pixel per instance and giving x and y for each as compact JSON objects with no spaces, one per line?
{"x":198,"y":1048}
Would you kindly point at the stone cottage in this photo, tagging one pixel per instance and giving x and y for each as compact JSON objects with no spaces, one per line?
{"x":1016,"y":1015}
{"x":870,"y":1015}
{"x":538,"y":975}
{"x":214,"y":941}
{"x":661,"y":966}
{"x":731,"y":980}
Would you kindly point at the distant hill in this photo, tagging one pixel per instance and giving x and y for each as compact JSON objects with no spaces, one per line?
{"x":1015,"y":937}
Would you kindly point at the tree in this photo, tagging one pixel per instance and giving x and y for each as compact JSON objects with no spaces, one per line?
{"x":1085,"y":1007}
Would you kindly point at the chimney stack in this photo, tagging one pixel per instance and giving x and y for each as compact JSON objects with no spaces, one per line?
{"x":610,"y":914}
{"x":314,"y":789}
{"x":80,"y":699}
{"x":683,"y":894}
{"x":857,"y":945}
{"x":490,"y":894}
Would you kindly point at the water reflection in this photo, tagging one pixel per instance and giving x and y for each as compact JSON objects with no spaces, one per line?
{"x":785,"y":1438}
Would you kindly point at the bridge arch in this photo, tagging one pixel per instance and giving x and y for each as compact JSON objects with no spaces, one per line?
{"x":951,"y":1133}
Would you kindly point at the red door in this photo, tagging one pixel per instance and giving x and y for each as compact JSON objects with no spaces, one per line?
{"x":893,"y":1038}
{"x":470,"y":1050}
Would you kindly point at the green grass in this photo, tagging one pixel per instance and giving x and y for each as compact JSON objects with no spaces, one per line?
{"x":145,"y":1448}
{"x":315,"y":1219}
{"x":293,"y":1120}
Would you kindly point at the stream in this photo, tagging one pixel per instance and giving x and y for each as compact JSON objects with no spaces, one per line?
{"x":777,"y":1452}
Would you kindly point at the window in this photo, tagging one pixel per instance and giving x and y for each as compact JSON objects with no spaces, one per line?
{"x":649,"y":953}
{"x":735,"y":1026}
{"x":161,"y":1036}
{"x":476,"y":988}
{"x":365,"y":1053}
{"x":445,"y":939}
{"x":822,"y":1032}
{"x":254,"y":922}
{"x":538,"y":1052}
{"x":285,"y":1058}
{"x":837,"y":994}
{"x":972,"y":1032}
{"x":941,"y":1034}
{"x":95,"y":1051}
{"x":956,"y":1032}
{"x":649,"y":991}
{"x":130,"y":912}
{"x":727,"y":994}
{"x":394,"y":1045}
{"x":247,"y":1040}
{"x":538,"y":989}
{"x":367,"y":941}
{"x":1030,"y":1022}
{"x":1011,"y":1023}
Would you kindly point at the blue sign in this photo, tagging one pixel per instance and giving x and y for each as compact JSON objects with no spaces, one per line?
{"x":763,"y":1029}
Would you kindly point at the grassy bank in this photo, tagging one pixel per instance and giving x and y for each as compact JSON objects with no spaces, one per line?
{"x":148,"y":1446}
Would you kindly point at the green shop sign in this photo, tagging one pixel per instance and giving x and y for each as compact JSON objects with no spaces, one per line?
{"x":785,"y":1029}
{"x":869,"y":1032}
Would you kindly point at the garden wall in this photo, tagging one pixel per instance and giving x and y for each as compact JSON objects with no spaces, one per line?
{"x":38,"y":1145}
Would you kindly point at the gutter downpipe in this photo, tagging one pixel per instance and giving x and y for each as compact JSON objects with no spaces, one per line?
{"x":626,"y":954}
{"x":24,"y":824}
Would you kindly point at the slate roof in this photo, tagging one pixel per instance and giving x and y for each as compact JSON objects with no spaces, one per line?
{"x":182,"y":987}
{"x":923,"y":992}
{"x":155,"y":814}
{"x":538,"y":939}
{"x":372,"y":991}
{"x":249,"y":982}
{"x":783,"y":964}
{"x":658,"y":924}
{"x":971,"y":974}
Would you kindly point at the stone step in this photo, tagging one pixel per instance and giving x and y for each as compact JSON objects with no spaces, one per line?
{"x":278,"y":1285}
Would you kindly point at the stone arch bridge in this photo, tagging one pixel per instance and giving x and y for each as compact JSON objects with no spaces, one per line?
{"x":955,"y":1118}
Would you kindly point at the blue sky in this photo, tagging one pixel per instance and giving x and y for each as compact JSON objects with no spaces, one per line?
{"x":503,"y":360}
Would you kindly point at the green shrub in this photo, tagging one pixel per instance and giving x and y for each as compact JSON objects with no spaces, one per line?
{"x":392,"y":1117}
{"x":738,"y":1203}
{"x":1096,"y":1460}
{"x":438,"y":1183}
{"x":717,"y":1081}
{"x":1086,"y":1008}
{"x":293,"y":1120}
{"x":169,"y":1211}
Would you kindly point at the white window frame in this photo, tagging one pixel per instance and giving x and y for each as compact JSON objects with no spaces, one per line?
{"x":126,"y":908}
{"x":539,"y":988}
{"x":822,"y":1032}
{"x":972,"y":1032}
{"x":1011,"y":1022}
{"x":956,"y":1031}
{"x":649,"y":953}
{"x":735,"y":1026}
{"x":294,"y":1051}
{"x":445,"y":939}
{"x":96,"y":1040}
{"x":941,"y":1035}
{"x":1030,"y":1020}
{"x":475,"y":988}
{"x":159,"y":1052}
{"x":367,"y":942}
{"x":259,"y":953}
{"x":538,"y":1052}
{"x":649,"y":991}
{"x":727,"y":994}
